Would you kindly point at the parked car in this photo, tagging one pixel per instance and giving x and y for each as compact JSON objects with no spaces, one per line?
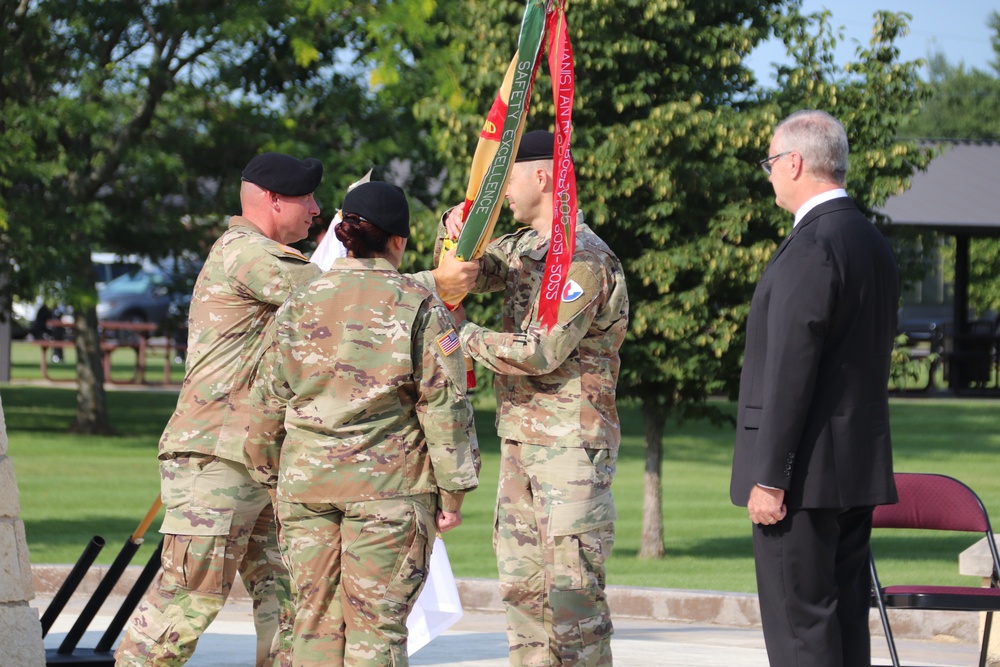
{"x":29,"y":317}
{"x":109,"y":266}
{"x":151,"y":294}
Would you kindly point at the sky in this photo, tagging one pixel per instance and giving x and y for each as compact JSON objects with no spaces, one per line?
{"x":956,"y":27}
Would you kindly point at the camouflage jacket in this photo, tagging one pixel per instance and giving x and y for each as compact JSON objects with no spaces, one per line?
{"x":361,"y":392}
{"x":553,"y":387}
{"x":244,"y":280}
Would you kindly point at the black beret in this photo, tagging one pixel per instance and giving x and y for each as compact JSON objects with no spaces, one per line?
{"x":382,"y":204}
{"x":535,"y":145}
{"x":284,"y":174}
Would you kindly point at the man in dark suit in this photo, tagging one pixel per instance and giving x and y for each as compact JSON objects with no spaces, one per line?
{"x":813,"y":453}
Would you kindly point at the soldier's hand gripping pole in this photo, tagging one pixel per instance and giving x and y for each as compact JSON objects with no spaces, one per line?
{"x":114,"y":573}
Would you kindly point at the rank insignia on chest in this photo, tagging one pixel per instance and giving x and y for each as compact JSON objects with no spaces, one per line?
{"x":448,"y":342}
{"x":572,"y":291}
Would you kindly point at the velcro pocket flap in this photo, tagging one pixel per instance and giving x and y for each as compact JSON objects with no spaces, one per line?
{"x":192,"y":520}
{"x":582,"y":516}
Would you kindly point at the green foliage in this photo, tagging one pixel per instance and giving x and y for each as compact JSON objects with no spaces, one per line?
{"x":124,"y":126}
{"x":984,"y":273}
{"x":984,"y":276}
{"x":141,"y":152}
{"x":668,"y":127}
{"x":962,"y":107}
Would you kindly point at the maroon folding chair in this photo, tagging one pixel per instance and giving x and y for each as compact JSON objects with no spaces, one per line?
{"x":936,"y":502}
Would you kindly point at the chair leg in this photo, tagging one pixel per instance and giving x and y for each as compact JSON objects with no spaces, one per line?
{"x":888,"y":635}
{"x":883,"y":615}
{"x":984,"y":652}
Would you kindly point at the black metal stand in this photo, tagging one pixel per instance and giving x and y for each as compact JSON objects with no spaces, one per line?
{"x":84,"y":657}
{"x":131,"y":601}
{"x":73,"y":580}
{"x":101,"y":656}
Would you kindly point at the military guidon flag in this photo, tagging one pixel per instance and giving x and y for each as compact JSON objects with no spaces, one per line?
{"x":501,"y":135}
{"x":499,"y":140}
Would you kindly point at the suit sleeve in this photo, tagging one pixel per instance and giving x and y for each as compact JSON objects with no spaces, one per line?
{"x":804,"y":290}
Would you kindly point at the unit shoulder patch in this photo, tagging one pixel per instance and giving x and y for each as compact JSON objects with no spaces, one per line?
{"x":571,"y":291}
{"x":581,"y":287}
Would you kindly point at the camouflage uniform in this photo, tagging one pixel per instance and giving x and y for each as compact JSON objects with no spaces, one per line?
{"x":218,"y":520}
{"x":557,"y":417}
{"x":360,"y":418}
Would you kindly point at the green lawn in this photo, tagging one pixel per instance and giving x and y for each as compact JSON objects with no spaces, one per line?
{"x":25,"y":358}
{"x":72,"y":487}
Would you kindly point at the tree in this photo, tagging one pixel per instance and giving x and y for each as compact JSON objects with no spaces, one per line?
{"x":668,"y":126}
{"x":962,"y":107}
{"x":963,"y":101}
{"x":125,"y":125}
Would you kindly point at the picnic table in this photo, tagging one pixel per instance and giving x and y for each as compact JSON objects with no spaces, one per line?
{"x":114,"y":335}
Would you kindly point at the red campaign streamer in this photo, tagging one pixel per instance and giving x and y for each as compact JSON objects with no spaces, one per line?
{"x":564,"y":203}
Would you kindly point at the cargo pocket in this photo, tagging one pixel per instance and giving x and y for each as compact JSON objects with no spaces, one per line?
{"x":411,"y":565}
{"x":194,"y":558}
{"x":150,"y":624}
{"x":582,"y":533}
{"x":192,"y":520}
{"x":582,"y":627}
{"x":595,"y":629}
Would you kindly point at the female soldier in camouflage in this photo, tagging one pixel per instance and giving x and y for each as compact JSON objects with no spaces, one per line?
{"x":363,"y":427}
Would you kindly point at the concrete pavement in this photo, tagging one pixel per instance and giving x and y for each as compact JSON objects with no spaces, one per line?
{"x":479,"y":640}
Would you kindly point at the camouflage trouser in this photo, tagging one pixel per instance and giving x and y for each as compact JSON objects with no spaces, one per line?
{"x":356,"y":569}
{"x":554,"y":530}
{"x":218,"y":521}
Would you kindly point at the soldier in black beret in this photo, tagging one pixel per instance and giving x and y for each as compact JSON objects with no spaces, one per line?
{"x":560,"y":437}
{"x":382,"y":204}
{"x":382,"y":363}
{"x":277,"y":195}
{"x":376,"y":222}
{"x":536,"y":145}
{"x":248,"y":274}
{"x":284,"y":174}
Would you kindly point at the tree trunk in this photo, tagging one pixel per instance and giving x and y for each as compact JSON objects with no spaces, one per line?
{"x":653,"y":419}
{"x":91,"y":400}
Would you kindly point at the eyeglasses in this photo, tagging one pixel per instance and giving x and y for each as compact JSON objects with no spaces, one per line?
{"x":765,"y":164}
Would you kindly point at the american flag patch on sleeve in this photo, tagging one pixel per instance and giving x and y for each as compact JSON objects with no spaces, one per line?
{"x":448,"y":342}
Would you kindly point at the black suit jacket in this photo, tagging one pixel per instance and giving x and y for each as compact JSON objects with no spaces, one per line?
{"x":813,"y":405}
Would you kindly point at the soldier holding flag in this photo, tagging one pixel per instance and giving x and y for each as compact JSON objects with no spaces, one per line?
{"x":557,"y":418}
{"x":362,"y":428}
